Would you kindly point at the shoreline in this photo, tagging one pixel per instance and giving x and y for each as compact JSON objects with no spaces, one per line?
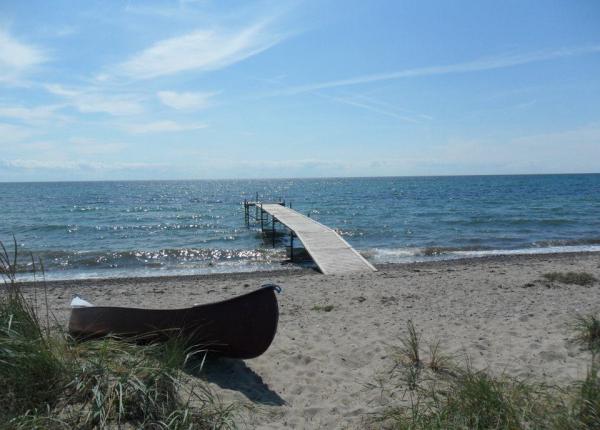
{"x":301,"y":271}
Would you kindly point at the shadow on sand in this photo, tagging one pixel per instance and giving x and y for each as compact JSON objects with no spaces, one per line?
{"x":234,"y":375}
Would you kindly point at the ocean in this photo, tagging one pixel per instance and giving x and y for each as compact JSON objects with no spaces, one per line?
{"x":153,"y":228}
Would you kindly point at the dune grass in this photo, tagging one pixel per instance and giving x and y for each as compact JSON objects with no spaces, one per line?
{"x":411,"y":345}
{"x":448,"y":396}
{"x":322,"y":308}
{"x":575,"y":278}
{"x":438,"y":361}
{"x":48,"y":381}
{"x":469,"y":400}
{"x":587,"y":331}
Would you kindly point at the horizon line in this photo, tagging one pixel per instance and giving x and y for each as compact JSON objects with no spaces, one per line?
{"x":301,"y":178}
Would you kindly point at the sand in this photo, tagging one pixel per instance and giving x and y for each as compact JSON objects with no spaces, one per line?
{"x":317,"y":373}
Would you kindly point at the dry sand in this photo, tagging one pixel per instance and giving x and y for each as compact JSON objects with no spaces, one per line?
{"x":316,"y":374}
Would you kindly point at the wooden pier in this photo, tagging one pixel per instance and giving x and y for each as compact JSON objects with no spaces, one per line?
{"x":329,"y":251}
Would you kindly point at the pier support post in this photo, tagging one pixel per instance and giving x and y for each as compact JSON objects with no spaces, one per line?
{"x":256,"y":207}
{"x":262,"y":228}
{"x":273,"y":230}
{"x":291,"y":246}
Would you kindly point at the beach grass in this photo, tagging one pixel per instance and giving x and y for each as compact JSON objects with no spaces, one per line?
{"x":469,"y":400}
{"x":411,"y":346}
{"x":466,"y":398}
{"x":438,"y":361}
{"x":587,"y":331}
{"x":49,"y":381}
{"x":574,"y":278}
{"x":323,"y":308}
{"x":587,"y":401}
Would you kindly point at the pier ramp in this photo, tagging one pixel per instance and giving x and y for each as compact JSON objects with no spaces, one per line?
{"x":331,"y":253}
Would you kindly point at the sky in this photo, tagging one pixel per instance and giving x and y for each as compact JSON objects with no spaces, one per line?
{"x":109,"y":90}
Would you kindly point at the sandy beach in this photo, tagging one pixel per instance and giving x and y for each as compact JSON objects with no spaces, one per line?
{"x":498,"y":311}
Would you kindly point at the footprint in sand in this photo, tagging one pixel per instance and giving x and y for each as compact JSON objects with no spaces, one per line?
{"x":552,"y":356}
{"x":302,"y":359}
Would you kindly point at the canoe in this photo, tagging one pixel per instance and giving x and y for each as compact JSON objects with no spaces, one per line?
{"x":241,"y":327}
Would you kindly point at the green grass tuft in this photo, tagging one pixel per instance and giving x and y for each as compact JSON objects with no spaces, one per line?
{"x":48,"y":381}
{"x":587,"y":331}
{"x":411,"y":345}
{"x":587,"y":402}
{"x":576,"y":278}
{"x":464,"y":398}
{"x":439,"y":361}
{"x":479,"y":400}
{"x":469,"y":399}
{"x":324,"y":308}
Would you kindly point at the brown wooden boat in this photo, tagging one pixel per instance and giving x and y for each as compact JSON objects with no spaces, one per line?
{"x":241,"y":327}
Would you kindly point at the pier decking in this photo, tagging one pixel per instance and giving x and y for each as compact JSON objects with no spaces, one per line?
{"x":329,"y":251}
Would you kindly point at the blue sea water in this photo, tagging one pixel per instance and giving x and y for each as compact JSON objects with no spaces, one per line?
{"x":146,"y":228}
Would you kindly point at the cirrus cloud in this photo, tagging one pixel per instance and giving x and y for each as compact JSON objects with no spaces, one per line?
{"x":13,"y":133}
{"x":163,"y":127}
{"x":200,"y":50}
{"x":34,"y":164}
{"x":477,"y":65}
{"x":92,"y":100}
{"x":17,"y":57}
{"x":185,"y":101}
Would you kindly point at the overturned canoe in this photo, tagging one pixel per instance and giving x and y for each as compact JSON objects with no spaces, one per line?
{"x":241,"y":327}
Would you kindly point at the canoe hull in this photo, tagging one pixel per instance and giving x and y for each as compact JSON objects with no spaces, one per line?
{"x":241,"y":327}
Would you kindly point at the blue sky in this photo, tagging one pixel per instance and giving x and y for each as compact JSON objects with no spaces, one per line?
{"x":225,"y":89}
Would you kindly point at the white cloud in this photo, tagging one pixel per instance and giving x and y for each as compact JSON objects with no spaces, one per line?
{"x":87,"y":146}
{"x":163,"y":127}
{"x":38,"y":146}
{"x":59,"y":90}
{"x":587,"y":135}
{"x":263,"y":167}
{"x":301,"y":164}
{"x":120,"y":105}
{"x":185,"y":101}
{"x":34,"y":164}
{"x":12,"y":133}
{"x":17,"y":57}
{"x":364,"y":103}
{"x":93,"y":100}
{"x":67,"y":30}
{"x":29,"y":114}
{"x":199,"y":50}
{"x":574,"y":150}
{"x":478,"y":65}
